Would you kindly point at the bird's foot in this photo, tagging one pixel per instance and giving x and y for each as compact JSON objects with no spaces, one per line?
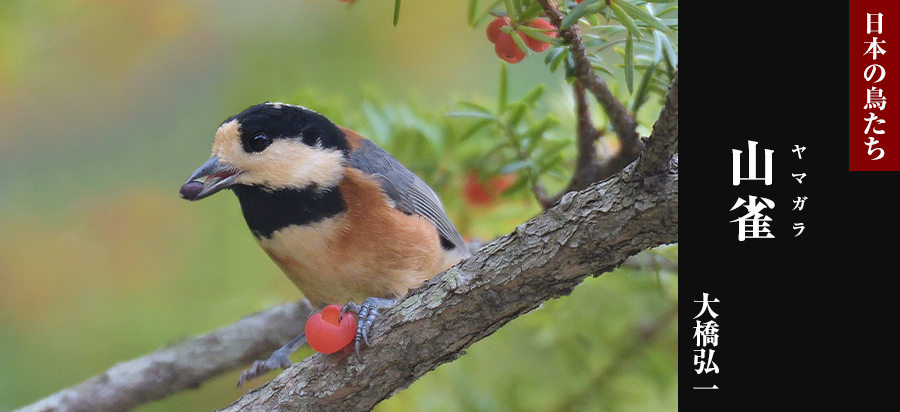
{"x":280,"y":359}
{"x":366,"y":314}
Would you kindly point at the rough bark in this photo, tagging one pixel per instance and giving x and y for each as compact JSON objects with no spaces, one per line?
{"x":663,"y":140}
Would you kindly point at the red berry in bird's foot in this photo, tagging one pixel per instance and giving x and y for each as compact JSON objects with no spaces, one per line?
{"x":493,"y":28}
{"x":327,"y":332}
{"x":507,"y":49}
{"x":535,"y":44}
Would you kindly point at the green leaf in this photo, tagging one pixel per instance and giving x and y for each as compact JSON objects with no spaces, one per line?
{"x":666,"y":10}
{"x":592,"y":19}
{"x":575,"y":14}
{"x":381,"y":125}
{"x":476,"y":115}
{"x":481,"y":16}
{"x":549,"y":163}
{"x":552,"y":149}
{"x":600,"y":67}
{"x":477,"y":107}
{"x":670,"y":23}
{"x":629,"y":62}
{"x":607,"y":45}
{"x":539,"y":34}
{"x":535,"y":134}
{"x":518,"y":112}
{"x":473,"y":12}
{"x":641,"y":96}
{"x":485,"y":159}
{"x":475,"y":128}
{"x":610,"y":30}
{"x":511,"y":11}
{"x":657,"y":46}
{"x":549,"y":57}
{"x":531,"y":12}
{"x":516,"y":166}
{"x":396,"y":12}
{"x":624,"y":18}
{"x":555,"y":174}
{"x":502,"y":89}
{"x":519,"y":42}
{"x":521,"y":184}
{"x":671,"y":55}
{"x":642,"y":15}
{"x":661,"y":91}
{"x":533,"y":95}
{"x":559,"y":59}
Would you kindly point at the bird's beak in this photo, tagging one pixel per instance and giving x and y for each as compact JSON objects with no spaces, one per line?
{"x":208,"y":179}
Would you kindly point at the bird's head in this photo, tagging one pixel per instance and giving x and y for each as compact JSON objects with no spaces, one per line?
{"x":274,"y":146}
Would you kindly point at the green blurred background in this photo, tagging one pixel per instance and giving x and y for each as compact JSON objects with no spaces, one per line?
{"x":107,"y":106}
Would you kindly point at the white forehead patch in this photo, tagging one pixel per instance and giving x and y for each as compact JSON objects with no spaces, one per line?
{"x":279,"y":105}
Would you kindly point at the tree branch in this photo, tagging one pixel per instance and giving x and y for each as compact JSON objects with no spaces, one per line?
{"x":663,"y":141}
{"x":623,"y":124}
{"x":588,"y":168}
{"x":182,"y":366}
{"x":586,"y":163}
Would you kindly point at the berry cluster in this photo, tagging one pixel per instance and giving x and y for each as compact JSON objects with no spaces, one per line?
{"x":504,"y":44}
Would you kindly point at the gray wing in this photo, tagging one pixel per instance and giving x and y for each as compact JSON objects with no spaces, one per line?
{"x":408,"y":192}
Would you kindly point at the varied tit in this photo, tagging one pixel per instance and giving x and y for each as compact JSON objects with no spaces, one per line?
{"x":344,"y":220}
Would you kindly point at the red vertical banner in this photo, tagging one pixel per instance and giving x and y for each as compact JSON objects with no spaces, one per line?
{"x":874,"y":79}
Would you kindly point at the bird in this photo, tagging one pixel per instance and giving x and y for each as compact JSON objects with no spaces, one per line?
{"x":345,"y":221}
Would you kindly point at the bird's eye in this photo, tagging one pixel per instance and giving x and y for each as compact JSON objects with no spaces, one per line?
{"x":259,"y":142}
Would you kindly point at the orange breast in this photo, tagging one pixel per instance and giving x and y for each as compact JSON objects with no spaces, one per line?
{"x":371,"y":249}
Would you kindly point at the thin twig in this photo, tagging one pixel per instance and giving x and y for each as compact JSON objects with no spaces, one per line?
{"x":586,"y":163}
{"x":623,"y":124}
{"x":588,"y":168}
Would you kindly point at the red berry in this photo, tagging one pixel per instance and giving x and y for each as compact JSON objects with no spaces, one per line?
{"x":502,"y":182}
{"x":535,"y":44}
{"x":474,"y":192}
{"x":507,"y":49}
{"x":327,"y":332}
{"x":493,"y":28}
